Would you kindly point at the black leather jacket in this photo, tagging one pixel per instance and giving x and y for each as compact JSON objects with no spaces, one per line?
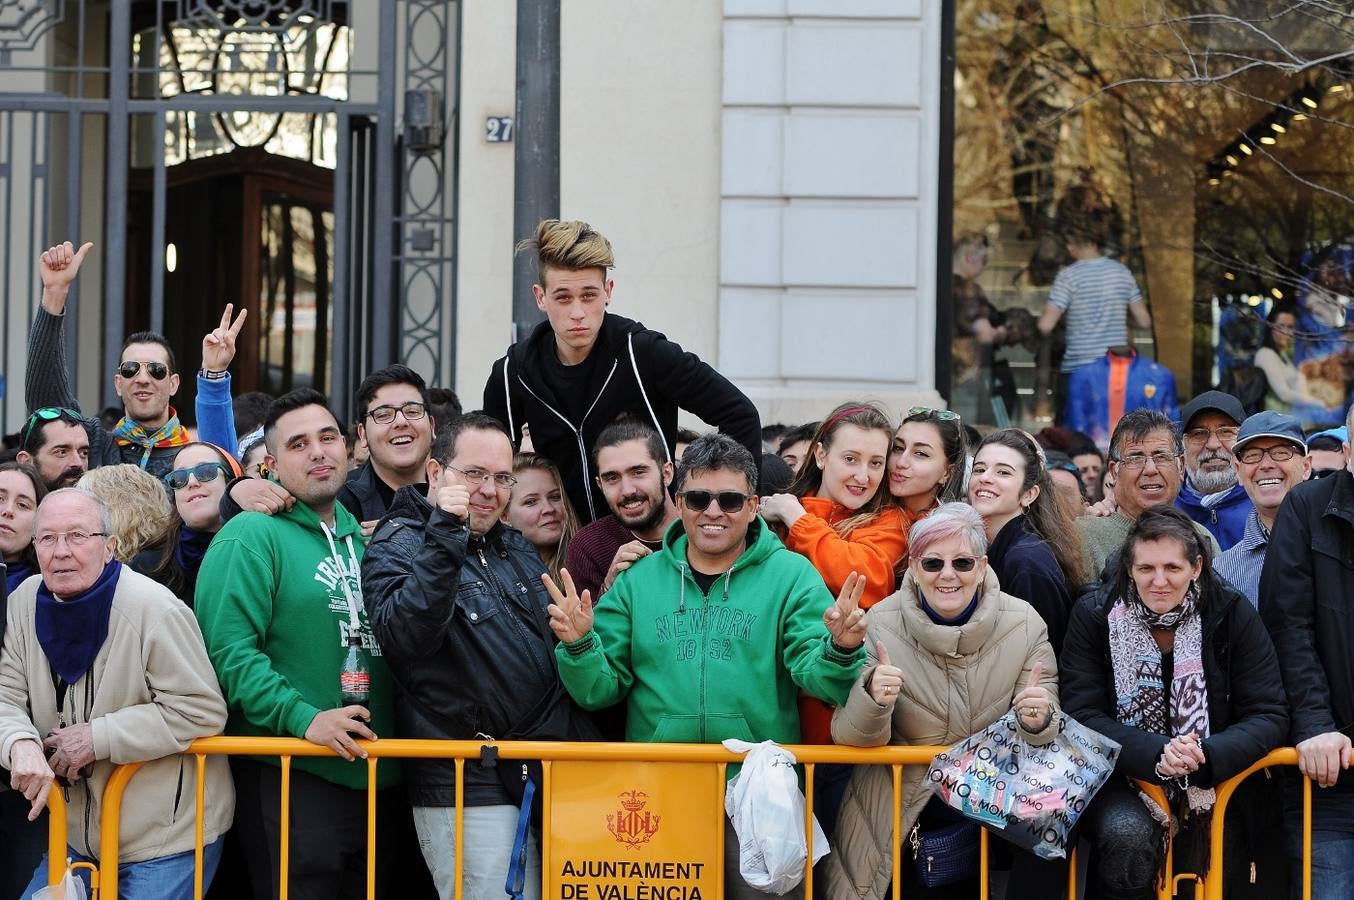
{"x":463,"y":625}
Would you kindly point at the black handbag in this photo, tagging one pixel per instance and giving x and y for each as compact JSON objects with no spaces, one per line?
{"x":945,"y":855}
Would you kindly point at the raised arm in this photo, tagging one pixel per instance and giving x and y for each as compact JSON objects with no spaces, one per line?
{"x":409,"y":582}
{"x":47,"y":379}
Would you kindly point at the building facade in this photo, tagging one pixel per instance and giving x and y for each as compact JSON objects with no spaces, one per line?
{"x":785,"y":184}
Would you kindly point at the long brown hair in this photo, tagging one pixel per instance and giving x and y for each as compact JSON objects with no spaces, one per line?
{"x":536,"y":462}
{"x":1046,"y":515}
{"x":28,"y":556}
{"x":809,"y":479}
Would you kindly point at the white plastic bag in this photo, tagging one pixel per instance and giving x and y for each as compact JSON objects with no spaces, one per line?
{"x":70,"y":888}
{"x":766,"y":806}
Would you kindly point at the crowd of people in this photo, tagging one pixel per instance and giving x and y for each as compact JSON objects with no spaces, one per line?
{"x":567,"y":564}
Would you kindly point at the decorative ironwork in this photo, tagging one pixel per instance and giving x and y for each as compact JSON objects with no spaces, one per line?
{"x":24,"y":22}
{"x":425,"y":253}
{"x":255,"y":15}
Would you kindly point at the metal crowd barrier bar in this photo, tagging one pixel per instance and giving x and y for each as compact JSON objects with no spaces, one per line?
{"x":1285,"y":756}
{"x":106,"y":879}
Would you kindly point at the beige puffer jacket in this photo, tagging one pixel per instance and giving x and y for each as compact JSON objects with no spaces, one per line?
{"x":956,"y":681}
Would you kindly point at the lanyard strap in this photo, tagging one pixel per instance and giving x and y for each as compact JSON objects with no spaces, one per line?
{"x":517,"y":864}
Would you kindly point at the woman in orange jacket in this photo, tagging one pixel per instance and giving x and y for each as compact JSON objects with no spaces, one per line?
{"x":838,"y":513}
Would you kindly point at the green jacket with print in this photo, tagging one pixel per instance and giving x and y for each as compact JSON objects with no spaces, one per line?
{"x":698,"y":669}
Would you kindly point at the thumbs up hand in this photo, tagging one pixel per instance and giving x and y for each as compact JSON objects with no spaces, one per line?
{"x":886,"y":680}
{"x":1033,"y":703}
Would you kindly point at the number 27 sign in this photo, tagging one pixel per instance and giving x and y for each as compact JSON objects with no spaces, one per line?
{"x":498,"y":129}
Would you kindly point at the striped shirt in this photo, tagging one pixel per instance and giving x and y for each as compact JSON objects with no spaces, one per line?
{"x":1094,"y":295}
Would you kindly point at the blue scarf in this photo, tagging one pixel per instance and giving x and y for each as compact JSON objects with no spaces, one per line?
{"x":72,"y":631}
{"x":15,"y":573}
{"x":961,"y":619}
{"x":192,"y":547}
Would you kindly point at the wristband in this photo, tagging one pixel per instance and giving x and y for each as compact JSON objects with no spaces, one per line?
{"x":213,"y":375}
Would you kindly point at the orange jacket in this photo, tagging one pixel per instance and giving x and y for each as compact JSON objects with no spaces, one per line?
{"x":872,"y":550}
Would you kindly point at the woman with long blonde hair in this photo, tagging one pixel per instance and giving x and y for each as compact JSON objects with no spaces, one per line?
{"x":540,"y":510}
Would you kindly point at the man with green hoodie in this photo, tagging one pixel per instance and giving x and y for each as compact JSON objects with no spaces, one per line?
{"x":714,"y":635}
{"x":278,"y":597}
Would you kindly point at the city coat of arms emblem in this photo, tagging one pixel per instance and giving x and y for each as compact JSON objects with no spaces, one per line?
{"x":632,"y":825}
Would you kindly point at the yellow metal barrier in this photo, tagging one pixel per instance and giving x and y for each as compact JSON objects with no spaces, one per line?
{"x":105,"y":880}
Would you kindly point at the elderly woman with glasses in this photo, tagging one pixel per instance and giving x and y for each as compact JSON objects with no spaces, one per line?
{"x":1174,"y":664}
{"x":948,"y":655}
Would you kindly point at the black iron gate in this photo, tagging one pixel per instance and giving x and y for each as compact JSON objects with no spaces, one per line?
{"x":95,"y":95}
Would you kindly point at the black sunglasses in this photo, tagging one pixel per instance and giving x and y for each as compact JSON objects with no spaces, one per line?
{"x":157,"y":370}
{"x":47,"y":414}
{"x":205,"y":473}
{"x":935,"y":564}
{"x":729,"y":501}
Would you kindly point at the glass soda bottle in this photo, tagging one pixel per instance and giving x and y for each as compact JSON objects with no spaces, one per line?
{"x":355,"y":677}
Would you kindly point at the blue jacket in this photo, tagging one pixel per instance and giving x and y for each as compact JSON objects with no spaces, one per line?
{"x":1226,"y":519}
{"x":1149,"y":385}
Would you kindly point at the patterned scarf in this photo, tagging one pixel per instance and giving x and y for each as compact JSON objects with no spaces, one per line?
{"x":1143,"y":701}
{"x":170,"y":434}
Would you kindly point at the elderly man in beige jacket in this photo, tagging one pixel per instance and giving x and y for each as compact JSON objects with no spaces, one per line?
{"x":102,"y":666}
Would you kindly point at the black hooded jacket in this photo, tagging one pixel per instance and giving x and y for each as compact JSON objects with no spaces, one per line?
{"x":463,"y":626}
{"x":633,"y":371}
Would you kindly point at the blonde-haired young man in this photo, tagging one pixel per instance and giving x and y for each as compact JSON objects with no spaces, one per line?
{"x":583,"y":367}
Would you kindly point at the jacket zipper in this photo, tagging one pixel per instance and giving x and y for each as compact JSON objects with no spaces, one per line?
{"x":578,"y":431}
{"x":545,"y":675}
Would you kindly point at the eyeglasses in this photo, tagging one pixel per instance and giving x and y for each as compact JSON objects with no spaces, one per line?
{"x":384,"y":415}
{"x":205,"y":473}
{"x":1160,"y":458}
{"x":1279,"y":453}
{"x":73,"y":538}
{"x":1226,"y":434}
{"x":943,"y":415}
{"x":47,"y":414}
{"x":479,"y":476}
{"x":157,"y":370}
{"x":934,"y":564}
{"x":729,"y":501}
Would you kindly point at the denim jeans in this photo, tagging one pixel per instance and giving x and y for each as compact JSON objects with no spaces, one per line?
{"x":163,"y":878}
{"x":1332,"y":841}
{"x":485,"y":851}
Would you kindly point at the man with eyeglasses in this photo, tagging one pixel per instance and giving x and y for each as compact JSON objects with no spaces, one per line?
{"x":1145,"y":464}
{"x":715,"y":635}
{"x":456,"y":601}
{"x":56,"y":443}
{"x":397,"y":427}
{"x":1212,"y":494}
{"x":149,"y":434}
{"x":1307,"y":603}
{"x":102,"y":666}
{"x":1271,"y":460}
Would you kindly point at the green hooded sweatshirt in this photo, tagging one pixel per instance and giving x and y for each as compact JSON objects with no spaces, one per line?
{"x":698,"y":669}
{"x":276,"y":616}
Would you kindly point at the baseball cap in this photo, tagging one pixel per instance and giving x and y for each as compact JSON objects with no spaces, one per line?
{"x":1270,"y":424}
{"x":1338,"y":435}
{"x":1223,"y":402}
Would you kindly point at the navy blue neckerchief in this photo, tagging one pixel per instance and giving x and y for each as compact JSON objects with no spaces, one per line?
{"x":71,"y":631}
{"x":961,"y":619}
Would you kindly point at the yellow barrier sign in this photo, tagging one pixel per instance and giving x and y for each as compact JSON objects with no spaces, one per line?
{"x":634,"y":832}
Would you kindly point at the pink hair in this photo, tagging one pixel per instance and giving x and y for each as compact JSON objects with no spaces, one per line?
{"x":948,"y":521}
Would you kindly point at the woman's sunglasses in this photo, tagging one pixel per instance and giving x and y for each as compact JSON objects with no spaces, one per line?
{"x":935,"y":564}
{"x":156,"y":370}
{"x":205,"y":473}
{"x":699,"y":501}
{"x":940,"y":415}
